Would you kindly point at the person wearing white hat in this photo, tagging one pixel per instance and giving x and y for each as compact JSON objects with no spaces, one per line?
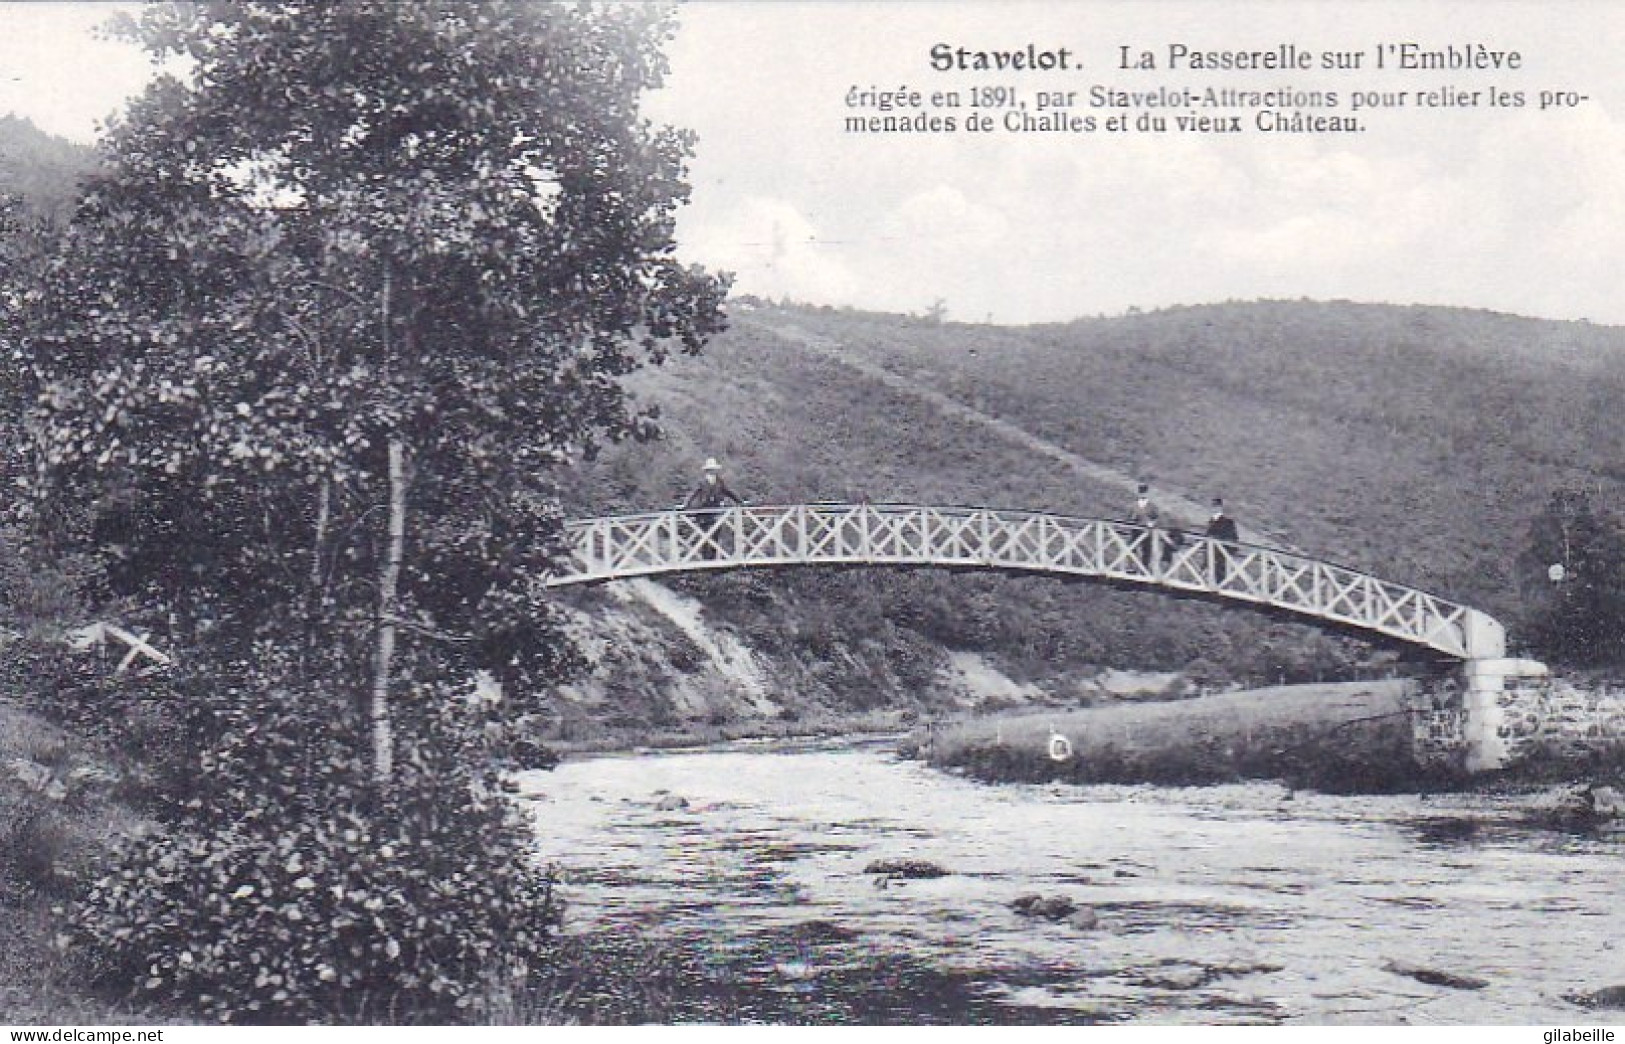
{"x":707,"y":502}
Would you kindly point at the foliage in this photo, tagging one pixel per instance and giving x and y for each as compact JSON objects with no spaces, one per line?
{"x":458,"y":245}
{"x":33,"y":844}
{"x":610,"y":978}
{"x":40,"y":170}
{"x":299,"y":369}
{"x":328,"y":917}
{"x":1578,"y":618}
{"x":287,"y":889}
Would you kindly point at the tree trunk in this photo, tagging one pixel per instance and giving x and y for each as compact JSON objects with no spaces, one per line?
{"x":324,"y":510}
{"x":315,"y":597}
{"x":383,"y":740}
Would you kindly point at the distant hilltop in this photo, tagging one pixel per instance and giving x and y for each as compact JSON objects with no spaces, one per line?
{"x":43,"y":170}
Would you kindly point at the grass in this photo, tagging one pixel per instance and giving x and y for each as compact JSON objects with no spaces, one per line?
{"x":1356,"y":432}
{"x":60,"y":810}
{"x":1343,"y":737}
{"x":794,"y":975}
{"x":705,"y":733}
{"x":599,"y":980}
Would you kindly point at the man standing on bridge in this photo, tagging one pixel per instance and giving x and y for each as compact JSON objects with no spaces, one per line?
{"x":707,"y":502}
{"x":1221,"y":526}
{"x":1147,"y":515}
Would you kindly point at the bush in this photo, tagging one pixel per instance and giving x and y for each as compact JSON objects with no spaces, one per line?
{"x":1581,"y":618}
{"x":399,"y":916}
{"x":34,"y":847}
{"x":290,"y":888}
{"x":131,"y":713}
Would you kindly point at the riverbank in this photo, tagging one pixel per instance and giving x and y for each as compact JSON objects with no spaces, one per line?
{"x":835,"y":882}
{"x":1346,"y":737}
{"x":63,"y":805}
{"x":1339,"y":738}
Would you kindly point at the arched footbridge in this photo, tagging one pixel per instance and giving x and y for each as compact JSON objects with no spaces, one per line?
{"x":665,"y":542}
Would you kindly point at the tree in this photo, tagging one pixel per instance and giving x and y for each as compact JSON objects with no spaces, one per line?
{"x":1575,"y":613}
{"x":305,"y":358}
{"x":341,"y":302}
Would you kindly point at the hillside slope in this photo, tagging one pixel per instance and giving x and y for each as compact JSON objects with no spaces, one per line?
{"x":1413,"y":442}
{"x":1416,"y":443}
{"x":42,"y":170}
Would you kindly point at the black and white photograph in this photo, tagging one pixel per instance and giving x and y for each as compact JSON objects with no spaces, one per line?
{"x":837,"y":514}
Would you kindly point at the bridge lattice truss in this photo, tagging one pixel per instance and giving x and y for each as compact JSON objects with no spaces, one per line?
{"x":660,"y":542}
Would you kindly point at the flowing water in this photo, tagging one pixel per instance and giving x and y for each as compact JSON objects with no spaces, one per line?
{"x":1236,"y":904}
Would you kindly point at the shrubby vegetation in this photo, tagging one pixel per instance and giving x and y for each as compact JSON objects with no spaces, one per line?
{"x":298,"y":370}
{"x":287,"y":888}
{"x":1572,"y":571}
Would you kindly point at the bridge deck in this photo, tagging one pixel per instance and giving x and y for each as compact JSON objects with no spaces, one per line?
{"x":619,"y":547}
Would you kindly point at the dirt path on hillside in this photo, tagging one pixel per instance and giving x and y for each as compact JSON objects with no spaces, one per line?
{"x":1189,"y":510}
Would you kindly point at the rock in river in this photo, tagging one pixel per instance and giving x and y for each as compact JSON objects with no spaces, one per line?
{"x":1607,"y":997}
{"x":1435,"y":977}
{"x":1048,"y":907}
{"x":911,"y":868}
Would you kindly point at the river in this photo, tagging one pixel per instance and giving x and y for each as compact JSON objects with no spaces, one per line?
{"x":1244,"y":904}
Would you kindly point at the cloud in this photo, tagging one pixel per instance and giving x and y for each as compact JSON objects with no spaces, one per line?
{"x":1516,"y":210}
{"x":773,"y":247}
{"x":58,"y":72}
{"x":1507,"y":209}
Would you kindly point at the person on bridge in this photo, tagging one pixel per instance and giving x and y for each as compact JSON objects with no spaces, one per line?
{"x":1221,"y":526}
{"x":1145,"y":512}
{"x":707,"y":501}
{"x":1147,"y":515}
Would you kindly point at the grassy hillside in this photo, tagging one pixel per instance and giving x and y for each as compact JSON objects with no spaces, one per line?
{"x":42,"y":170}
{"x":1416,"y":443}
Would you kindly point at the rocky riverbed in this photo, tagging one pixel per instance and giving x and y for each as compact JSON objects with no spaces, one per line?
{"x":820,"y":884}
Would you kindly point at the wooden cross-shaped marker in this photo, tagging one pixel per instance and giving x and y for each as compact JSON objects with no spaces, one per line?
{"x":138,"y":647}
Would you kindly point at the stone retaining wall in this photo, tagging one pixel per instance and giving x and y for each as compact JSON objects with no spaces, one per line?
{"x":1562,"y":718}
{"x":1438,"y":721}
{"x":1577,"y":720}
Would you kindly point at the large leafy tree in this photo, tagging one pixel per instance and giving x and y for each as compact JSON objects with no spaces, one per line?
{"x":351,"y":283}
{"x":346,"y":293}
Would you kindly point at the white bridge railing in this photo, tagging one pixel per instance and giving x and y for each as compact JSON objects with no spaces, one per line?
{"x":657,"y":542}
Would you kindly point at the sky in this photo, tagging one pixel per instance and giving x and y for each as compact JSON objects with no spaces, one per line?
{"x":1515,"y":209}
